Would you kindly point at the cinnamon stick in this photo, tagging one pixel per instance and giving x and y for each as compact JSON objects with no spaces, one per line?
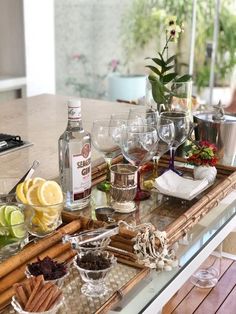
{"x":35,"y":249}
{"x":18,"y":274}
{"x":125,"y":261}
{"x":122,"y":246}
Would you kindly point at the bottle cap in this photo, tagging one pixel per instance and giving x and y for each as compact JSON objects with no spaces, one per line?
{"x":74,"y":109}
{"x":74,"y":103}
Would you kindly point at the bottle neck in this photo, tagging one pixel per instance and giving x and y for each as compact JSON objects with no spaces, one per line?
{"x":72,"y":124}
{"x":74,"y":116}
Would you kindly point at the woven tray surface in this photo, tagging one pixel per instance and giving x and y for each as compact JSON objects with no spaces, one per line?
{"x":77,"y":303}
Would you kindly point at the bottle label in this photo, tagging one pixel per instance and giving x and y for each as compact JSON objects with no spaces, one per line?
{"x":74,"y":113}
{"x":81,"y":173}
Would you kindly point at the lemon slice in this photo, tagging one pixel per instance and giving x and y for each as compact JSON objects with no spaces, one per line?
{"x":20,"y":193}
{"x":50,"y":193}
{"x":32,"y":195}
{"x":38,"y":180}
{"x":16,"y":220}
{"x":27,"y":184}
{"x":2,"y":216}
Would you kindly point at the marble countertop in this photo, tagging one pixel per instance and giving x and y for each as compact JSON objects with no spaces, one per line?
{"x":41,"y":120}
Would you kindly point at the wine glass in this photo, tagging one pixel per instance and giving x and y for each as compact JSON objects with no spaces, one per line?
{"x":103,"y":139}
{"x":139,"y":144}
{"x":165,"y":129}
{"x":142,"y":115}
{"x":181,"y":122}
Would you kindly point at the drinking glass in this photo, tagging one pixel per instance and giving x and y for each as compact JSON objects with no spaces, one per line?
{"x":139,"y":144}
{"x":144,"y":116}
{"x":103,"y":139}
{"x":181,"y":122}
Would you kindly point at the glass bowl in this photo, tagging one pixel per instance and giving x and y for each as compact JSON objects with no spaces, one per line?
{"x":95,"y":279}
{"x":58,"y":281}
{"x":75,"y":240}
{"x":43,"y":219}
{"x":13,"y":236}
{"x":19,"y":309}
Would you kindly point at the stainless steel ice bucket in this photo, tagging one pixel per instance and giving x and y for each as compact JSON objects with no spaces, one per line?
{"x":220,"y":130}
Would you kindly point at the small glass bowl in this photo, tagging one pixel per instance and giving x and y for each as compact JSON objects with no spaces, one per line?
{"x":43,"y":219}
{"x":19,"y":309}
{"x":75,"y":240}
{"x":12,"y":237}
{"x":59,"y":281}
{"x":95,"y":279}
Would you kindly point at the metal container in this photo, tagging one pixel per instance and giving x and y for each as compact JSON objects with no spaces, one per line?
{"x":219,"y":128}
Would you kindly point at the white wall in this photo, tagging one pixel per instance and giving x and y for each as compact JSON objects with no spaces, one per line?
{"x":40,"y":46}
{"x":12,"y":48}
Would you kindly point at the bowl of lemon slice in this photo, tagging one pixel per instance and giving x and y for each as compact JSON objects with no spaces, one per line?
{"x":43,"y":203}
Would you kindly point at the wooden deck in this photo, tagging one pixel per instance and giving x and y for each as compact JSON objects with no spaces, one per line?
{"x":221,"y":299}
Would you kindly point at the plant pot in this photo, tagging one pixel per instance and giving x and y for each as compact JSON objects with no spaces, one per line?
{"x":202,"y":172}
{"x":126,"y":87}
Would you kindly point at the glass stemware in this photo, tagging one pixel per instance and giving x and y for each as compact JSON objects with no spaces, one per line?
{"x":181,"y":122}
{"x":139,"y":144}
{"x":103,"y":139}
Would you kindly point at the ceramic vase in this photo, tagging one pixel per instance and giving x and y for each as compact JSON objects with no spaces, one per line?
{"x":202,"y":172}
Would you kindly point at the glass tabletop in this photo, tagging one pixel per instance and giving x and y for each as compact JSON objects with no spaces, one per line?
{"x":199,"y":236}
{"x":153,"y":210}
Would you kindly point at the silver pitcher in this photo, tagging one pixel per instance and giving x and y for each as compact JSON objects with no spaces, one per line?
{"x":219,"y":128}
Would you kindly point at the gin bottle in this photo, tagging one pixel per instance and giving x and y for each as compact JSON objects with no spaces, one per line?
{"x":75,"y":160}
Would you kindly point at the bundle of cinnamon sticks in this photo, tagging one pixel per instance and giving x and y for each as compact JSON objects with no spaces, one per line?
{"x":13,"y":269}
{"x":36,"y":295}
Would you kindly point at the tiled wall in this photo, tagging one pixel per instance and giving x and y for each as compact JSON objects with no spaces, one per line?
{"x":87,"y":39}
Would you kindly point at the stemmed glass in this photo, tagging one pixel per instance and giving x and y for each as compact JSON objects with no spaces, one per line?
{"x":181,"y":122}
{"x":139,"y":144}
{"x":103,"y":139}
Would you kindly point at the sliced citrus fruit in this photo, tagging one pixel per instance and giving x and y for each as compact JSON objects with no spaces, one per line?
{"x":38,"y":180}
{"x":20,"y":193}
{"x":32,"y":195}
{"x":27,"y":184}
{"x":7,"y":213}
{"x":17,"y":224}
{"x":2,"y":216}
{"x":50,"y":193}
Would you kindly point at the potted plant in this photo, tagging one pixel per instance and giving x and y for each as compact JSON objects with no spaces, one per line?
{"x":203,"y":156}
{"x":142,"y":25}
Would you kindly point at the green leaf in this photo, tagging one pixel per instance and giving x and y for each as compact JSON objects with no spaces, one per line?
{"x":169,"y":77}
{"x":154,"y":69}
{"x":158,"y":61}
{"x":171,"y":59}
{"x":183,"y":79}
{"x":168,"y":68}
{"x":157,"y":91}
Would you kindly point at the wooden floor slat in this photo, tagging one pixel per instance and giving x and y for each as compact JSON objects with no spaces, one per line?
{"x":189,"y":297}
{"x":229,"y":306}
{"x":219,"y":293}
{"x":184,"y":291}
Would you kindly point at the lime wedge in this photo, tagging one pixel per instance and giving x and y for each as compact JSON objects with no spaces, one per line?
{"x":2,"y":216}
{"x":7,"y":212}
{"x":17,"y":224}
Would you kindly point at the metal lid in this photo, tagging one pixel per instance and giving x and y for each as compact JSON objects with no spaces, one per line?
{"x":209,"y":116}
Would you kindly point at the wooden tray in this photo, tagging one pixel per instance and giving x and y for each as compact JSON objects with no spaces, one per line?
{"x":169,"y":214}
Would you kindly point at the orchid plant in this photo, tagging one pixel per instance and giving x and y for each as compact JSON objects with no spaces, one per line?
{"x":164,"y":80}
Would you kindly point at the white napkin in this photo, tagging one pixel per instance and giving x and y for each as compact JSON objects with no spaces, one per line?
{"x":172,"y":184}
